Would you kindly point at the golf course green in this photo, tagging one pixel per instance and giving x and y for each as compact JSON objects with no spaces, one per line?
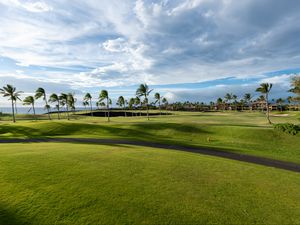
{"x":77,"y":183}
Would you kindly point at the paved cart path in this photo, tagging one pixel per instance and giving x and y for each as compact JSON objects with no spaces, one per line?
{"x":201,"y":150}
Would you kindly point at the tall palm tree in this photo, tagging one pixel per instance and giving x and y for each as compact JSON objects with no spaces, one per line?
{"x":138,"y":102}
{"x":234,"y":99}
{"x":247,"y":98}
{"x":41,"y":93}
{"x":144,"y":91}
{"x":165,"y":102}
{"x":55,"y":98}
{"x":228,"y":98}
{"x":265,"y":89}
{"x":220,"y":102}
{"x":122,"y":103}
{"x":16,"y":97}
{"x":295,"y":84}
{"x":71,"y":100}
{"x":64,"y":102}
{"x":88,"y":97}
{"x":85,"y":104}
{"x":131,"y":103}
{"x":289,"y":100}
{"x":29,"y":100}
{"x":158,"y":100}
{"x":10,"y":91}
{"x":104,"y":96}
{"x":280,"y":101}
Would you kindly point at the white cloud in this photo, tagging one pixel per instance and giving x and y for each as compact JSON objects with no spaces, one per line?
{"x":37,"y":6}
{"x":115,"y":43}
{"x":283,"y":79}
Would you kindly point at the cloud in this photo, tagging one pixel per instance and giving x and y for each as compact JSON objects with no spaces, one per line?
{"x":36,"y":6}
{"x":120,"y":43}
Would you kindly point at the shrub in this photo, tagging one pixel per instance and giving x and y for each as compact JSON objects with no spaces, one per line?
{"x":287,"y":128}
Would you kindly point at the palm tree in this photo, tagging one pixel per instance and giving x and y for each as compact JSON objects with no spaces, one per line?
{"x":219,"y":102}
{"x":55,"y":98}
{"x":144,"y":91}
{"x":265,"y":89}
{"x":88,"y":97}
{"x":280,"y":101}
{"x":131,"y":103}
{"x":104,"y":96}
{"x":295,"y":83}
{"x":85,"y":104}
{"x":64,"y":102}
{"x":29,"y":100}
{"x":158,"y":99}
{"x":234,"y":98}
{"x":71,"y":100}
{"x":10,"y":91}
{"x":228,"y":98}
{"x":165,"y":102}
{"x":289,"y":100}
{"x":41,"y":93}
{"x":247,"y":98}
{"x":137,"y":103}
{"x":16,"y":97}
{"x":122,"y":103}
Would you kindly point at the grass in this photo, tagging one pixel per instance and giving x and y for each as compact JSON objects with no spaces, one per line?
{"x":242,"y":132}
{"x":55,"y":183}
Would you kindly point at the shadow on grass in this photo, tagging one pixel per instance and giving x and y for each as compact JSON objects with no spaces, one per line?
{"x":167,"y":126}
{"x":151,"y":132}
{"x":17,"y":131}
{"x":9,"y":218}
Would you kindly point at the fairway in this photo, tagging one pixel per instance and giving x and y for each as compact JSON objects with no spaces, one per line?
{"x":53,"y":183}
{"x":241,"y":132}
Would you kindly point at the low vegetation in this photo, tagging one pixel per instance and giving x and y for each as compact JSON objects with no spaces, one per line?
{"x":287,"y":128}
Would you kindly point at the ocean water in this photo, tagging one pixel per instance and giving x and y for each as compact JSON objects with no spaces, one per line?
{"x":25,"y":110}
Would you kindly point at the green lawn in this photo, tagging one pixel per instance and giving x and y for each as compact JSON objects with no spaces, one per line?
{"x":245,"y":132}
{"x":53,"y":183}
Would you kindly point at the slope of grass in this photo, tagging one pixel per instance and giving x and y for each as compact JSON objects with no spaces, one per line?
{"x":242,"y":132}
{"x":57,"y":183}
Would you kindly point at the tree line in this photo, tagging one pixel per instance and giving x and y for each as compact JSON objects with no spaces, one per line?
{"x":141,"y":99}
{"x":68,"y":100}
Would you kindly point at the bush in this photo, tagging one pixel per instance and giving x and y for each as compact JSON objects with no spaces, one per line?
{"x":287,"y":128}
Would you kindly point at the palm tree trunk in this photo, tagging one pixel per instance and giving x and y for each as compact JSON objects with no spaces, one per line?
{"x":68,"y":117}
{"x":147,"y":106}
{"x":148,"y":112}
{"x":159,"y":107}
{"x":91,"y":107}
{"x":108,"y":110}
{"x":33,"y":111}
{"x":47,"y":107}
{"x":13,"y":110}
{"x":267,"y":104}
{"x":125,"y":111}
{"x":58,"y":111}
{"x":16,"y":107}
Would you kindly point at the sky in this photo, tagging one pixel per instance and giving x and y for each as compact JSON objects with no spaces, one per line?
{"x":188,"y":50}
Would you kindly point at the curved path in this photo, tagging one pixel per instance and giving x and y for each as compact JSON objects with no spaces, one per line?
{"x":201,"y":150}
